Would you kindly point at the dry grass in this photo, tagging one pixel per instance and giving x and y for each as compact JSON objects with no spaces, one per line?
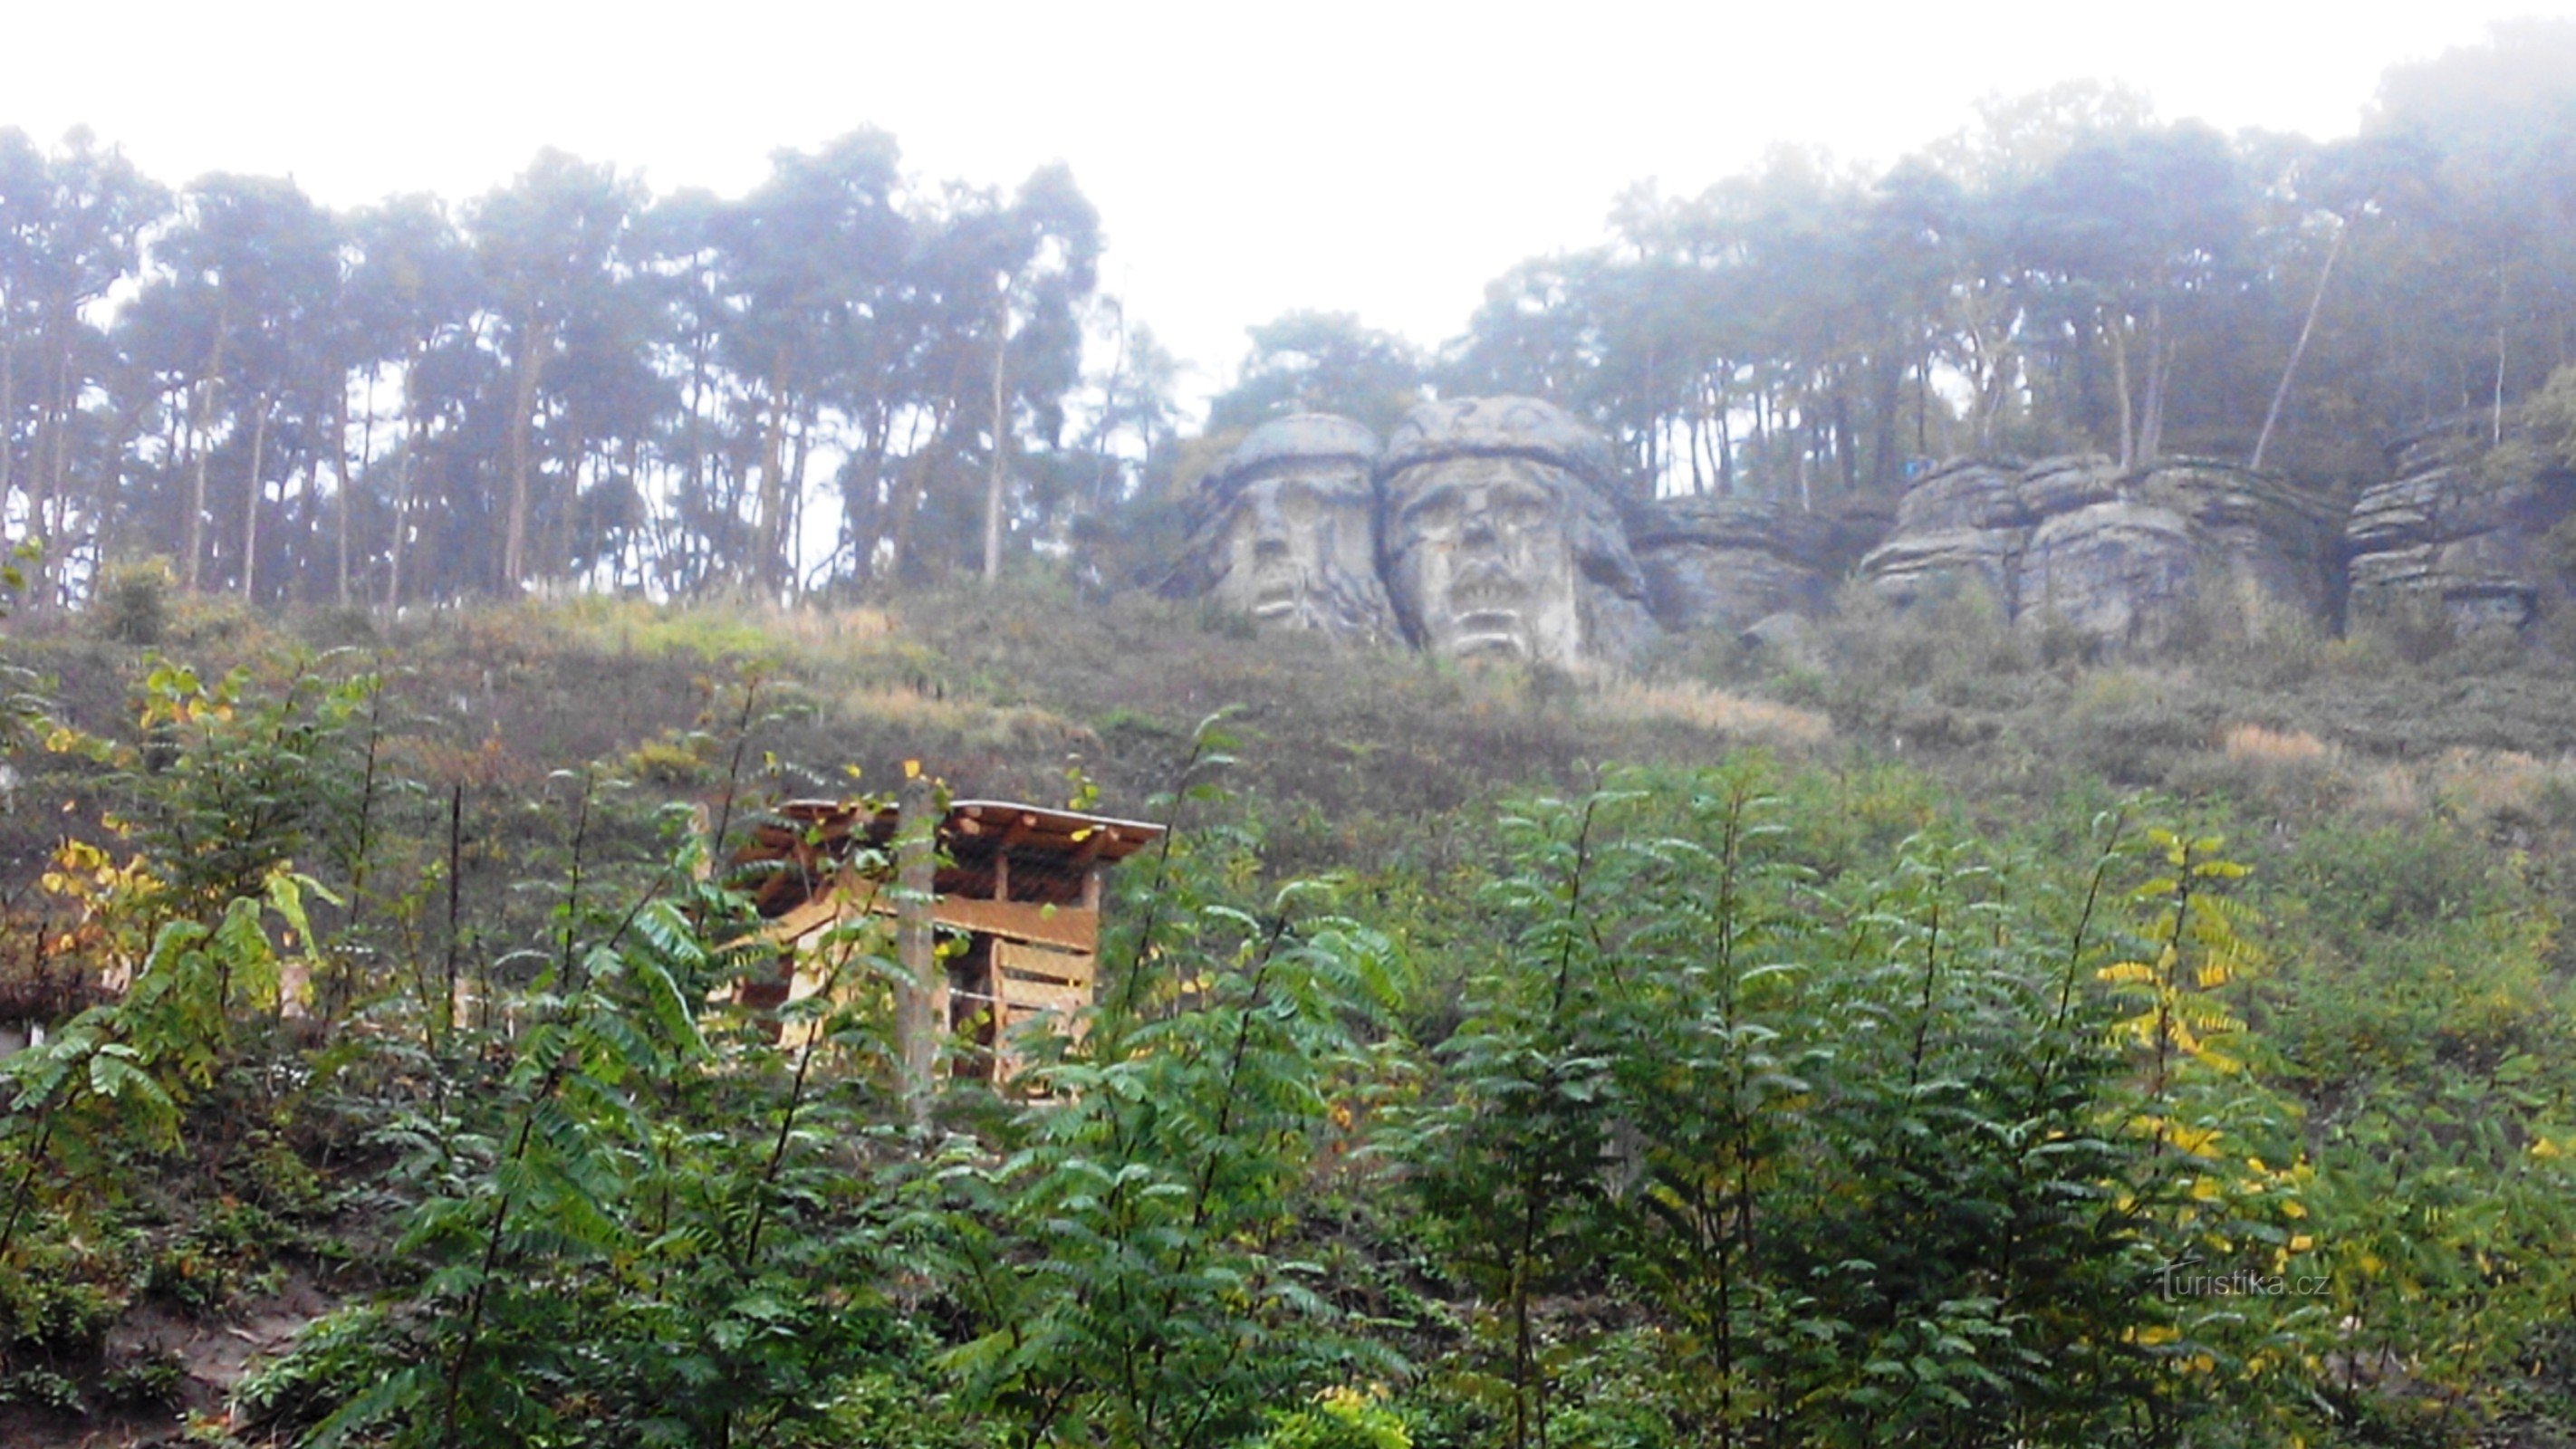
{"x":2488,"y":784}
{"x":1761,"y":721}
{"x":2482,"y":786}
{"x":2253,"y":745}
{"x":2392,"y":791}
{"x":974,"y":723}
{"x":824,"y":630}
{"x":909,"y":706}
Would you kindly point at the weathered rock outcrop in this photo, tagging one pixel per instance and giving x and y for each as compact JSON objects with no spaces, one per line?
{"x":1725,"y":563}
{"x":2265,"y":545}
{"x":2116,"y":556}
{"x":1968,"y":523}
{"x":2461,"y":525}
{"x":1501,"y":537}
{"x":2115,"y":570}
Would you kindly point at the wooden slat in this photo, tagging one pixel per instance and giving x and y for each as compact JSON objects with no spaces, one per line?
{"x":1070,"y":927}
{"x":1044,"y":963}
{"x":1034,"y":996}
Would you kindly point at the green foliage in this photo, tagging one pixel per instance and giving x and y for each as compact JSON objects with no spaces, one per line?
{"x":1133,"y":1269}
{"x":1862,"y":1142}
{"x":133,"y":603}
{"x":149,"y":1380}
{"x":1340,"y":1418}
{"x":21,"y":555}
{"x":1321,"y":362}
{"x":42,"y":1388}
{"x":1770,"y":1102}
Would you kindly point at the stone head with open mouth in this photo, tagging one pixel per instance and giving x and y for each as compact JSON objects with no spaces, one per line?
{"x":1288,"y":531}
{"x":1501,"y":540}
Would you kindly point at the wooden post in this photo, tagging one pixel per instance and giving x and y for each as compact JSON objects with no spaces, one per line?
{"x":921,"y":1014}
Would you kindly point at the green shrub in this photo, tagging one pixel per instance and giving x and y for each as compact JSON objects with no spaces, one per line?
{"x":135,"y":602}
{"x":1339,"y":1418}
{"x":47,"y":1310}
{"x":153,"y":1379}
{"x":42,"y":1388}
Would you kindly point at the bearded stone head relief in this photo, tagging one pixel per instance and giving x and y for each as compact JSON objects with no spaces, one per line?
{"x":1500,"y":541}
{"x":1288,"y":530}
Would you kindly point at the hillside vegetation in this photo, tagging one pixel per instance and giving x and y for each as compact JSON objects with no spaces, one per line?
{"x":1947,"y":1038}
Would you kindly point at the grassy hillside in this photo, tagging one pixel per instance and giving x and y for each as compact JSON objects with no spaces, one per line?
{"x":2353,"y":1057}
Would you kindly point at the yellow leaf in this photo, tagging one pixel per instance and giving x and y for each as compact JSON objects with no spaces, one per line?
{"x":912,"y":769}
{"x":2194,"y":1140}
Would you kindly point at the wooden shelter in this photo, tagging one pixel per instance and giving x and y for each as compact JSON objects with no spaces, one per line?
{"x":1016,"y":889}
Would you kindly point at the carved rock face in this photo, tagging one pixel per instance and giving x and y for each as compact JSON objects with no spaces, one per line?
{"x":1498,"y":540}
{"x":1289,"y":534}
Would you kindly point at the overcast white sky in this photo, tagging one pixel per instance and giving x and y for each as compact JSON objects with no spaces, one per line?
{"x":1387,"y":160}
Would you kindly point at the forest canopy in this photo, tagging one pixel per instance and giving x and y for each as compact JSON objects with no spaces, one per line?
{"x":853,"y":375}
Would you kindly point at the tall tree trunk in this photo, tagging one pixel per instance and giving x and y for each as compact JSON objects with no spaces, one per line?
{"x":111,"y":474}
{"x":308,"y":527}
{"x":1923,"y":405}
{"x":523,"y":422}
{"x":1725,"y":448}
{"x":1845,"y":443}
{"x":1884,"y":405}
{"x":908,"y":494}
{"x":415,"y":443}
{"x":2120,"y":380}
{"x":40,"y":450}
{"x":348,"y":492}
{"x":772,"y":495}
{"x":250,"y":514}
{"x":2160,"y":359}
{"x":2298,"y":349}
{"x":2496,"y":431}
{"x":922,"y":997}
{"x":206,"y":386}
{"x":798,"y":453}
{"x":559,"y":532}
{"x":8,"y":413}
{"x":49,"y":454}
{"x":994,"y":482}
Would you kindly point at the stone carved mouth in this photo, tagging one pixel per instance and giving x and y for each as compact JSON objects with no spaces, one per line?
{"x":1489,"y":631}
{"x":1276,"y":595}
{"x":1485,"y":604}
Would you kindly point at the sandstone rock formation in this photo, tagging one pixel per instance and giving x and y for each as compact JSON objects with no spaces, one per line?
{"x":1501,"y":539}
{"x":2461,"y":525}
{"x":2266,"y":546}
{"x":1287,"y":530}
{"x":2119,"y":557}
{"x":1726,"y":563}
